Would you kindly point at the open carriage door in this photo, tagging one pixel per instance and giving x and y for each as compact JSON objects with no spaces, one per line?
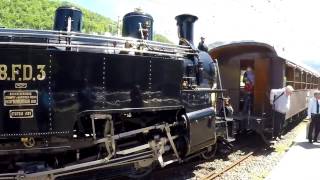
{"x":262,"y":86}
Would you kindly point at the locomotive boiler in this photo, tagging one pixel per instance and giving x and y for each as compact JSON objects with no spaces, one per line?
{"x":74,"y":103}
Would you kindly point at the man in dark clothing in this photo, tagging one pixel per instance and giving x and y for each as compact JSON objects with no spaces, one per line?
{"x":314,"y":114}
{"x":248,"y":97}
{"x":202,"y":46}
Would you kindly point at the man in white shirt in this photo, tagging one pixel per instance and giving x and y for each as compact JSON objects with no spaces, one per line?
{"x":314,"y":114}
{"x":280,"y":101}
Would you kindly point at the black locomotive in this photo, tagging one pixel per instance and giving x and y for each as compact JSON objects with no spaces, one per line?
{"x":73,"y":103}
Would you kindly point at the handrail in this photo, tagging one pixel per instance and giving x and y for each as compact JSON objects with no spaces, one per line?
{"x":101,"y":38}
{"x":106,"y":48}
{"x":84,"y":34}
{"x":81,"y":40}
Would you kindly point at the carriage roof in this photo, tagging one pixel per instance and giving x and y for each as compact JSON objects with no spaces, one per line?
{"x":252,"y":46}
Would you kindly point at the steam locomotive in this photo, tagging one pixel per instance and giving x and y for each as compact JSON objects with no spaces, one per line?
{"x":74,"y":103}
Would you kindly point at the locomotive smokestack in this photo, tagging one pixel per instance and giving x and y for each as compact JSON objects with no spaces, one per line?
{"x":138,"y":24}
{"x":68,"y":19}
{"x":185,"y":26}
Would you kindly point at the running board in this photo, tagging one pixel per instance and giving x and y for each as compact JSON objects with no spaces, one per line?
{"x":79,"y":168}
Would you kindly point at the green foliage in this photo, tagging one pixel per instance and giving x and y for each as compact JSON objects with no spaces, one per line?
{"x":161,"y":38}
{"x":39,"y":14}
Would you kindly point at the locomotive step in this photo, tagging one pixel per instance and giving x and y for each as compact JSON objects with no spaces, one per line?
{"x":230,"y":139}
{"x":223,"y":119}
{"x":268,"y":130}
{"x":246,"y":117}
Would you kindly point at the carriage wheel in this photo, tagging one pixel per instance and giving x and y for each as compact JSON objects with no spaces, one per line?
{"x":142,"y":172}
{"x":210,"y":152}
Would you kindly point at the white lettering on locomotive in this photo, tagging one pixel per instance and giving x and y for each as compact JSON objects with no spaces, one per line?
{"x":22,"y":72}
{"x":20,"y":98}
{"x":21,"y":113}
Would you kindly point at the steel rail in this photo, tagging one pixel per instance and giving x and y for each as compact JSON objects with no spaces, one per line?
{"x":214,"y":175}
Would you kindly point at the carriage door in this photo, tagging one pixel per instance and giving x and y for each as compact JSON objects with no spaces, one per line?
{"x":262,"y":86}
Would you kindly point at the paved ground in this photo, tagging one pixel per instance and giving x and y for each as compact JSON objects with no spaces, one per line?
{"x":301,"y":162}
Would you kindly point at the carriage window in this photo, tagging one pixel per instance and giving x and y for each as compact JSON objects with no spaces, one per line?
{"x":314,"y":82}
{"x":289,"y":79}
{"x":304,"y":80}
{"x":308,"y":81}
{"x":297,"y":78}
{"x":311,"y":81}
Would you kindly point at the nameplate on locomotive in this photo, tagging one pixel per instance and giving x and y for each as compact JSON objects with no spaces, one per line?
{"x":20,"y":97}
{"x":21,"y":113}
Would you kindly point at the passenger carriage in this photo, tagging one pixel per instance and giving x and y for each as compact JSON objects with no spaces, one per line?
{"x":271,"y":72}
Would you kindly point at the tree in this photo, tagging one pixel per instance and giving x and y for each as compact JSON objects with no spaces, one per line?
{"x":161,"y":38}
{"x":39,"y":14}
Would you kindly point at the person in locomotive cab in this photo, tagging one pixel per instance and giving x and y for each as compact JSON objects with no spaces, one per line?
{"x":280,"y":101}
{"x":314,"y":114}
{"x":202,"y":46}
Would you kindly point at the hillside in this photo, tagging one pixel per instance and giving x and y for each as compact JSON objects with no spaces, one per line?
{"x":39,"y":14}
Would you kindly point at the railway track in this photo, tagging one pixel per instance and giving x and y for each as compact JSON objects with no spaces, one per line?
{"x":214,"y":175}
{"x":190,"y":166}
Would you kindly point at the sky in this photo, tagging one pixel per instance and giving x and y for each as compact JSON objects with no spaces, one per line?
{"x":291,"y":26}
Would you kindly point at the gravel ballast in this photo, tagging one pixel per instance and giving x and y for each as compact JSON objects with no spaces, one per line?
{"x":256,"y":167}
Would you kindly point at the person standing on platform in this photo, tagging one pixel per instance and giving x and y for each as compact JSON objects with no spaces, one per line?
{"x":314,"y":114}
{"x":280,"y":101}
